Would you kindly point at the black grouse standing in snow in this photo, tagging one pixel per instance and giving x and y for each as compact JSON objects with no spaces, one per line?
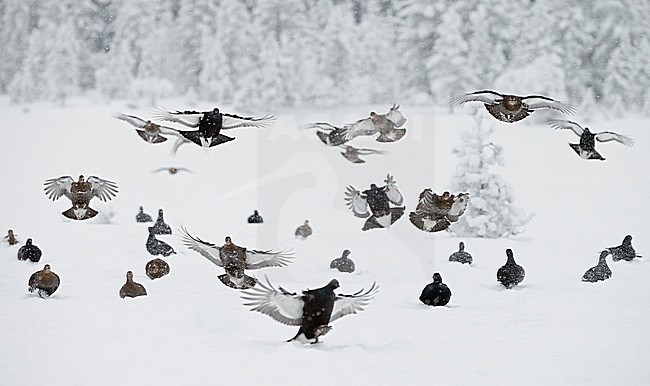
{"x":210,"y":123}
{"x":29,"y":251}
{"x":599,"y":272}
{"x":436,"y":293}
{"x":255,"y":218}
{"x":625,"y":251}
{"x":378,"y":199}
{"x":11,"y":238}
{"x":131,"y":288}
{"x":312,"y":311}
{"x":343,"y":263}
{"x":511,"y":108}
{"x":235,"y":259}
{"x":158,"y":247}
{"x":156,"y":268}
{"x":80,"y":193}
{"x":511,"y":273}
{"x":45,"y":282}
{"x":160,"y":227}
{"x":461,"y":256}
{"x":586,"y":149}
{"x":142,"y":216}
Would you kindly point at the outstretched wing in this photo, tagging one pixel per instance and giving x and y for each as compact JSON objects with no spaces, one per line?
{"x":281,"y":305}
{"x":356,"y":202}
{"x":105,"y":190}
{"x":351,"y":304}
{"x":542,"y":102}
{"x":458,"y":207}
{"x":559,"y":124}
{"x":133,"y":120}
{"x":361,"y":127}
{"x":485,"y":96}
{"x":319,"y":125}
{"x":208,"y":250}
{"x":261,"y":259}
{"x":231,"y":121}
{"x":57,"y":187}
{"x":191,"y":118}
{"x":606,"y":136}
{"x":393,"y":194}
{"x":365,"y":151}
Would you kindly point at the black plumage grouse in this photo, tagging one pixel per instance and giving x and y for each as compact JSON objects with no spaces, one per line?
{"x":378,"y":199}
{"x":255,"y":218}
{"x":599,"y":272}
{"x":29,"y":252}
{"x":511,"y":108}
{"x":625,"y":251}
{"x":511,"y":273}
{"x":45,"y":282}
{"x":158,"y":247}
{"x":461,"y":256}
{"x":313,"y":311}
{"x":586,"y":148}
{"x":142,"y":216}
{"x":343,"y":263}
{"x":161,"y":227}
{"x":436,"y":293}
{"x":210,"y":123}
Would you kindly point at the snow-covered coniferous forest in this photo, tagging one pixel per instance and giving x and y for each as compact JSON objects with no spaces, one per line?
{"x":328,"y":84}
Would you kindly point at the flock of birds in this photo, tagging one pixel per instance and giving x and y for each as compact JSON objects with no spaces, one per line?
{"x":313,"y":310}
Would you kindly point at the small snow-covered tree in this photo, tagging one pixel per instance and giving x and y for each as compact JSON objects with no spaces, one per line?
{"x":491,"y":212}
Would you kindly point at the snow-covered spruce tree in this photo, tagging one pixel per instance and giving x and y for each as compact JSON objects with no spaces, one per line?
{"x":491,"y":212}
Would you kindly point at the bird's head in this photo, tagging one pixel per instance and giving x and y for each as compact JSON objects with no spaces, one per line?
{"x":81,"y":179}
{"x":129,"y":275}
{"x":437,"y":278}
{"x":627,"y":240}
{"x":215,"y":110}
{"x":228,"y":240}
{"x":509,"y":254}
{"x":346,"y":253}
{"x":461,"y":245}
{"x":334,"y":284}
{"x":46,"y":268}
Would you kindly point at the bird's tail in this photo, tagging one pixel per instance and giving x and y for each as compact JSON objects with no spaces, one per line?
{"x":335,"y":137}
{"x":71,"y":214}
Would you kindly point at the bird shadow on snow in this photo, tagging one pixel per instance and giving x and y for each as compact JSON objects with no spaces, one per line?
{"x":501,"y":288}
{"x":412,"y":305}
{"x":35,"y":296}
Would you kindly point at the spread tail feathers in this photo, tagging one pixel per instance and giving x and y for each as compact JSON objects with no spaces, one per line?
{"x":248,"y":282}
{"x":80,"y":214}
{"x":333,"y":138}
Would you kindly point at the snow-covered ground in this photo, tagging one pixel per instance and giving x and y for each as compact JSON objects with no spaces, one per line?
{"x":191,"y":329}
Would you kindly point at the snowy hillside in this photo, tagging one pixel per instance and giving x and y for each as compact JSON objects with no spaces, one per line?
{"x":191,"y":329}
